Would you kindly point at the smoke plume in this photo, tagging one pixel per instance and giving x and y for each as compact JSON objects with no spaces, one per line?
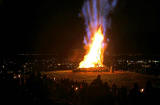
{"x":97,"y":13}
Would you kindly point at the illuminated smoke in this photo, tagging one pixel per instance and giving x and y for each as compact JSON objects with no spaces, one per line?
{"x":96,"y":13}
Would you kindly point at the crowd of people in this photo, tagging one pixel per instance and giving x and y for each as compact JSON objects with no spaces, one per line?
{"x":40,"y":90}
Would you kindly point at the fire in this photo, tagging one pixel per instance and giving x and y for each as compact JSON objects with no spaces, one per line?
{"x":97,"y":18}
{"x":94,"y":57}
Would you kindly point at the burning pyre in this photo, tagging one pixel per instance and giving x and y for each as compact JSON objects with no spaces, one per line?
{"x":94,"y":57}
{"x":97,"y":20}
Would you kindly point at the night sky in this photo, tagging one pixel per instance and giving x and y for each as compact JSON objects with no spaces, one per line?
{"x":54,"y":26}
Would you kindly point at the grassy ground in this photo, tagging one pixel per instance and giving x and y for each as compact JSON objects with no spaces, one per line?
{"x":120,"y":78}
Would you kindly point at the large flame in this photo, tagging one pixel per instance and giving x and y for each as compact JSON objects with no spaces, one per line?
{"x":96,"y":13}
{"x":94,"y":57}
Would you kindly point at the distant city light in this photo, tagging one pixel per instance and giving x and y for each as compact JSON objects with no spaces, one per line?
{"x":54,"y":78}
{"x":3,"y":66}
{"x":76,"y":88}
{"x":142,"y":90}
{"x":19,"y":75}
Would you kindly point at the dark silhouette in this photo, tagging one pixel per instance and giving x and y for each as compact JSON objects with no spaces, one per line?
{"x":41,"y":90}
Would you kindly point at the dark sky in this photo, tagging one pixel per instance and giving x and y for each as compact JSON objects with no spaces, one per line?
{"x":53,"y":26}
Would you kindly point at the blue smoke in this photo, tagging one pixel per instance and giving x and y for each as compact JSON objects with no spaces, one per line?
{"x":96,"y":13}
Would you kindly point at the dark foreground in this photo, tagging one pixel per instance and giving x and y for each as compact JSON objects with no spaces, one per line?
{"x":120,"y":78}
{"x":38,"y":89}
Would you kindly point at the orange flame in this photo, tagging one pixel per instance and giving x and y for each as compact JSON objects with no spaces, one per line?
{"x":94,"y":57}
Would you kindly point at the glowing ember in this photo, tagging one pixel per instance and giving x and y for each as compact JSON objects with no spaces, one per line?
{"x":94,"y":57}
